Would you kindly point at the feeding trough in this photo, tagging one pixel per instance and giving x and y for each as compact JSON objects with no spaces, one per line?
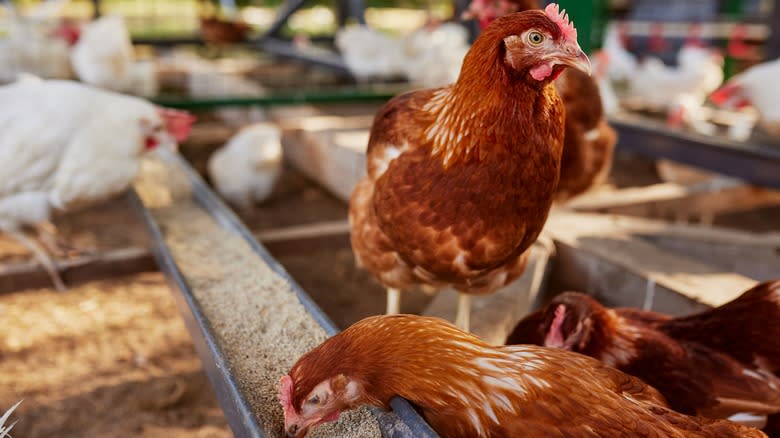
{"x":248,"y":319}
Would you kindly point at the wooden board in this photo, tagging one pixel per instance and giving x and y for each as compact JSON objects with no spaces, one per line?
{"x":333,"y":158}
{"x":594,"y":255}
{"x":327,"y":144}
{"x":677,"y":201}
{"x":754,"y":255}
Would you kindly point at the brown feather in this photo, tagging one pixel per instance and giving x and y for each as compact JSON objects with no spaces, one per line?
{"x":715,"y":363}
{"x":467,"y":388}
{"x":461,"y":179}
{"x":589,"y":141}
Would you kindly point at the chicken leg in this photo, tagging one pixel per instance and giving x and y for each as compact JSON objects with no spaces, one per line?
{"x":463,"y":315}
{"x":54,"y":244}
{"x":43,"y":257}
{"x":393,"y":301}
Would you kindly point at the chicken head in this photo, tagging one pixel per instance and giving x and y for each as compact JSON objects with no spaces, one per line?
{"x":322,"y":404}
{"x":172,"y":127}
{"x":570,"y":325}
{"x":550,"y":46}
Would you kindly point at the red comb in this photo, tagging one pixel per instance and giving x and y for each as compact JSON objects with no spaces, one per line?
{"x":285,"y":398}
{"x":285,"y":390}
{"x":178,"y":123}
{"x":554,"y":337}
{"x":561,"y":18}
{"x":723,"y":94}
{"x":657,"y":42}
{"x":694,"y":37}
{"x":736,"y":46}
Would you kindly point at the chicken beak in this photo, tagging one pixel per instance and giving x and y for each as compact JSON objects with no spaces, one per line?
{"x":293,"y":430}
{"x":570,"y":54}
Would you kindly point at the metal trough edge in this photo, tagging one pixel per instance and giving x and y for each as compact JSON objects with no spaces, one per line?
{"x":402,"y":422}
{"x":752,"y":161}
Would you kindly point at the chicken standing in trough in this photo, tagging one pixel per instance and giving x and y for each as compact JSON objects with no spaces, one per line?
{"x":461,"y":178}
{"x":245,"y":170}
{"x":757,"y":86}
{"x":718,"y":363}
{"x":66,"y":145}
{"x":466,"y":388}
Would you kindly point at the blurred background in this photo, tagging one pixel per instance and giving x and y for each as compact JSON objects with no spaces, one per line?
{"x":288,"y":89}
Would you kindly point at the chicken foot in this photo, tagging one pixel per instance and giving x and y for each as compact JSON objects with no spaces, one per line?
{"x":41,"y":255}
{"x":393,"y":301}
{"x":463,"y":315}
{"x":54,"y":244}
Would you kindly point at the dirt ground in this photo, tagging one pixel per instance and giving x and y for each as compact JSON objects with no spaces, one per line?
{"x":107,"y":359}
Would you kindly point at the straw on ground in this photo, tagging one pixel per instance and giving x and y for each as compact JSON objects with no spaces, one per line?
{"x":5,"y":431}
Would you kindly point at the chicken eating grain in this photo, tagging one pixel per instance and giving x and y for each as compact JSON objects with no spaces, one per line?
{"x":467,"y":388}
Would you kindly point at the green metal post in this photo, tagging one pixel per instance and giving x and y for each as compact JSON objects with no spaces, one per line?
{"x":733,"y":10}
{"x":589,"y":18}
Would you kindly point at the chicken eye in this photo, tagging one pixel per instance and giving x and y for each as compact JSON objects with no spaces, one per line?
{"x":535,"y":38}
{"x":314,"y":400}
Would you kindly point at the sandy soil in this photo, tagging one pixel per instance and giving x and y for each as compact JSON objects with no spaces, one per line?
{"x":106,"y":359}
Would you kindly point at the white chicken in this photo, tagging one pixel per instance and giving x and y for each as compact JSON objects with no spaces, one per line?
{"x":67,"y":145}
{"x":622,"y":64}
{"x":600,"y":62}
{"x":433,"y":54}
{"x":758,"y":87}
{"x":428,"y":57}
{"x":103,"y":56}
{"x":245,"y":170}
{"x":32,"y":47}
{"x":368,"y":53}
{"x":679,"y":91}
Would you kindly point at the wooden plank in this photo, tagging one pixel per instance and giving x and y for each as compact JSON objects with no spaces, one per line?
{"x":114,"y":263}
{"x":577,"y":269}
{"x":672,"y":200}
{"x":754,"y":255}
{"x":210,"y":134}
{"x":598,"y":250}
{"x":494,"y":316}
{"x":694,"y":233}
{"x":326,"y":122}
{"x":306,"y":231}
{"x":333,"y":158}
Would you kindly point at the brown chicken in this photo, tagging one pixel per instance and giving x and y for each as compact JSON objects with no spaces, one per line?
{"x":716,"y":363}
{"x":589,"y":142}
{"x":461,"y":178}
{"x":467,"y":388}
